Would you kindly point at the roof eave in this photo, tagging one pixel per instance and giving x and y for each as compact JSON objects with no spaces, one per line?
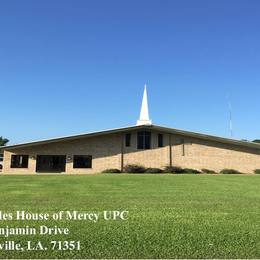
{"x":73,"y":137}
{"x":135,"y":127}
{"x":210,"y":137}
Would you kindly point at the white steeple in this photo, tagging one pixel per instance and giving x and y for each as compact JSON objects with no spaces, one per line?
{"x":144,"y":114}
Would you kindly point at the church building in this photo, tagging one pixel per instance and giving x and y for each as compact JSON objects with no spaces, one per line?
{"x":144,"y":144}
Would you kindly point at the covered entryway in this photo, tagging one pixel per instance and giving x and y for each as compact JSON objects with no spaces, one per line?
{"x":50,"y":163}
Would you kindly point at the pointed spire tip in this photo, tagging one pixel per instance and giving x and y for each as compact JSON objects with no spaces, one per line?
{"x":144,"y":114}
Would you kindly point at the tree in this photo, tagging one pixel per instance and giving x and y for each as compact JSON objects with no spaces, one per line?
{"x":3,"y":141}
{"x":257,"y":141}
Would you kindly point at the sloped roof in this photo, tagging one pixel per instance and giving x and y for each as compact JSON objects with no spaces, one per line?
{"x":124,"y":129}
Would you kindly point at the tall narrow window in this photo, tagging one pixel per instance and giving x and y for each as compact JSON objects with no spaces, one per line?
{"x":82,"y":161}
{"x":19,"y":161}
{"x":1,"y":157}
{"x":144,"y":140}
{"x":160,"y":140}
{"x":127,"y":140}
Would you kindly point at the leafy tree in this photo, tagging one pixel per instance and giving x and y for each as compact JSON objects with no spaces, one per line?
{"x":257,"y":141}
{"x":3,"y":141}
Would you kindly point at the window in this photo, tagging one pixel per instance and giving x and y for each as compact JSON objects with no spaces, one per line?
{"x":127,"y":140}
{"x":82,"y":161}
{"x":160,"y":140}
{"x":19,"y":161}
{"x":144,"y":140}
{"x":1,"y":157}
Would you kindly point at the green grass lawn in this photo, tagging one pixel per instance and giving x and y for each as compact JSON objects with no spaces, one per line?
{"x":170,"y":216}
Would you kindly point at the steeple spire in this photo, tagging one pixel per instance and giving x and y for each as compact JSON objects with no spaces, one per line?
{"x":144,"y":114}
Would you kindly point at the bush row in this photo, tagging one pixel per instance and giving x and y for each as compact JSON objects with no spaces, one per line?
{"x":134,"y":168}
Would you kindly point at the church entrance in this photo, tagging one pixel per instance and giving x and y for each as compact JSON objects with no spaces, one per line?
{"x":50,"y":163}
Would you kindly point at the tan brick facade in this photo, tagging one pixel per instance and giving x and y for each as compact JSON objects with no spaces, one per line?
{"x":109,"y":151}
{"x":199,"y":154}
{"x":105,"y":151}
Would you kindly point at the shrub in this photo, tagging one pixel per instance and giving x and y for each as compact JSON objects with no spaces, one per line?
{"x":208,"y":171}
{"x":188,"y":170}
{"x":153,"y":170}
{"x":111,"y":171}
{"x":134,"y":168}
{"x":1,"y":166}
{"x":230,"y":171}
{"x":257,"y":171}
{"x":172,"y":169}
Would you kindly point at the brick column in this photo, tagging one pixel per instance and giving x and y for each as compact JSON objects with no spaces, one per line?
{"x":170,"y":150}
{"x":122,"y":152}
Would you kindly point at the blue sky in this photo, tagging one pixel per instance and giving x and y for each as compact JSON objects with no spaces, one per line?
{"x":69,"y":67}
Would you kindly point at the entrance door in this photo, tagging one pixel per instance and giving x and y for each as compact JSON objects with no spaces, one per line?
{"x":51,"y":163}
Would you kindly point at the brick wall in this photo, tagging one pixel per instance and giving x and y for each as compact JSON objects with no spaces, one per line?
{"x":106,"y":151}
{"x":200,"y":154}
